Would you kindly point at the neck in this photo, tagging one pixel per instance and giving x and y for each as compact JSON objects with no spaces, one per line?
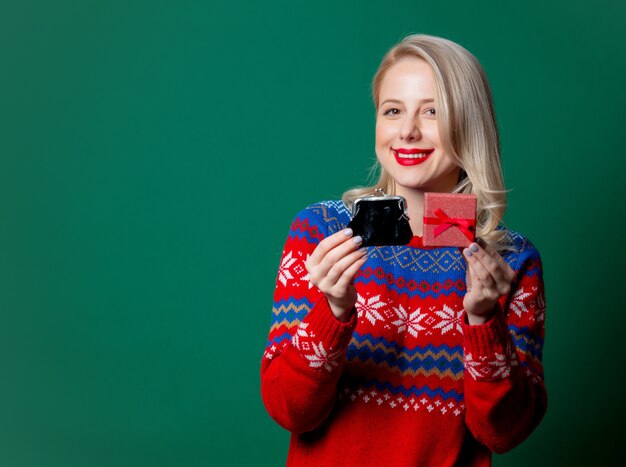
{"x":415,"y":209}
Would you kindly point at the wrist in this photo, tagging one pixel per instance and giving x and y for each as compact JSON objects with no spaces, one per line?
{"x":340,"y":313}
{"x":476,"y":319}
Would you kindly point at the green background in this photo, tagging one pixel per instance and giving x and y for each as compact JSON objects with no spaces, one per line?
{"x":153,"y":154}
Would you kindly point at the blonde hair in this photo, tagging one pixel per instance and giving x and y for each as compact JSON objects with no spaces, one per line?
{"x":466,"y":123}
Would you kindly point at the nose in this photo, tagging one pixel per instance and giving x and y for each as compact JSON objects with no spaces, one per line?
{"x":410,"y":129}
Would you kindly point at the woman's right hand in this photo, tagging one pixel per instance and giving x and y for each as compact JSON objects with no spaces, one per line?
{"x":332,"y":267}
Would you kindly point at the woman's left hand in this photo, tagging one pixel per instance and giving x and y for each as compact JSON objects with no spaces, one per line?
{"x":488,"y":278}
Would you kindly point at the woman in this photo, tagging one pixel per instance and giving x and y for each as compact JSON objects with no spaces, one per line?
{"x":408,"y":355}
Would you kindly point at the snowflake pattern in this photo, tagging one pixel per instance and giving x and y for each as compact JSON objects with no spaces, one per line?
{"x":518,"y":304}
{"x":314,"y":352}
{"x":322,"y":358}
{"x":284,"y":274}
{"x":483,"y":369}
{"x":492,"y":367}
{"x":300,"y":332}
{"x":369,"y":308}
{"x":305,"y":277}
{"x":450,"y":320}
{"x":292,"y":268}
{"x":408,"y":321}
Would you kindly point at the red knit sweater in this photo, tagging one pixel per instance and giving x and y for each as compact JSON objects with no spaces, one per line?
{"x":406,"y":381}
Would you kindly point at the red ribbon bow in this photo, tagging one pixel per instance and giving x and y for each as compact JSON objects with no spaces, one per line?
{"x":443,"y":222}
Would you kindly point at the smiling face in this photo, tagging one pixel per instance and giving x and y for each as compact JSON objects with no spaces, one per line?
{"x":407,"y":137}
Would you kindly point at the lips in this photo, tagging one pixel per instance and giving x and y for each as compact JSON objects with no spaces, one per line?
{"x":412,"y":156}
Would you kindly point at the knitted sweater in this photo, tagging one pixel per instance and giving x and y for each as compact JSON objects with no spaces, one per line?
{"x":406,"y":381}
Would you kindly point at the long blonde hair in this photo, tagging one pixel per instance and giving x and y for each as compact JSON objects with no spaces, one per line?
{"x":466,"y":123}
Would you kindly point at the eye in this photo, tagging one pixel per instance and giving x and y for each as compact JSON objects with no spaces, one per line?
{"x":430,"y":112}
{"x":392,"y":111}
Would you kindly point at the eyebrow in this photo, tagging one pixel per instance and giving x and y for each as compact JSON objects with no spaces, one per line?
{"x":397,"y":101}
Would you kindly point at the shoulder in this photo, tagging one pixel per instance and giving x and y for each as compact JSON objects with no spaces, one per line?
{"x":521,"y":253}
{"x":326,"y":216}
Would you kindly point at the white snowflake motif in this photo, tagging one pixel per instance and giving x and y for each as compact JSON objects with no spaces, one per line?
{"x":284,"y":274}
{"x":321,"y":358}
{"x":300,"y":333}
{"x":473,"y":366}
{"x":498,"y":368}
{"x":369,"y":308}
{"x":408,"y":321}
{"x":517,"y":302}
{"x":450,"y":320}
{"x":306,"y":277}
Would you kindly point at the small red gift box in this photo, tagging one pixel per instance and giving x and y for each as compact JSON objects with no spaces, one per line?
{"x":449,"y":219}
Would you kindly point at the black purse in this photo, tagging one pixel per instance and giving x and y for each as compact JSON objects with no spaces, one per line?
{"x":381,"y":220}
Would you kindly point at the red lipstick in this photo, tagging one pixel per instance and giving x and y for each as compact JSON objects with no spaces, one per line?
{"x":422,"y":155}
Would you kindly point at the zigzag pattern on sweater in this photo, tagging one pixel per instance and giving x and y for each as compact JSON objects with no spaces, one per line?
{"x":324,"y":209}
{"x":294,"y":309}
{"x":384,"y":367}
{"x":442,"y":360}
{"x":407,"y":392}
{"x":285,"y":323}
{"x":525,"y":342}
{"x":286,"y":315}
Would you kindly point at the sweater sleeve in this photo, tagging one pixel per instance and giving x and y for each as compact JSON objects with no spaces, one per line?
{"x":505,"y":395}
{"x":306,"y":346}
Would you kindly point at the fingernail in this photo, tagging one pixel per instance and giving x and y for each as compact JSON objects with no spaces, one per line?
{"x":357,"y":240}
{"x":468,"y":252}
{"x":474,"y":247}
{"x":347,"y":232}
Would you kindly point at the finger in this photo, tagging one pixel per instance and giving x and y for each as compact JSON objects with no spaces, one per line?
{"x":483,"y":288}
{"x":498,"y":268}
{"x":483,"y":280}
{"x":481,"y":276}
{"x":491,"y":251}
{"x":319,"y":272}
{"x":347,"y":278}
{"x":485,"y":259}
{"x":498,"y":257}
{"x":328,"y":244}
{"x":341,"y":251}
{"x":472,"y":280}
{"x":340,"y":267}
{"x":318,"y":265}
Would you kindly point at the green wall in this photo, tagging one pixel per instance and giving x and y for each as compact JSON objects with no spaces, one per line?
{"x":153,"y":154}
